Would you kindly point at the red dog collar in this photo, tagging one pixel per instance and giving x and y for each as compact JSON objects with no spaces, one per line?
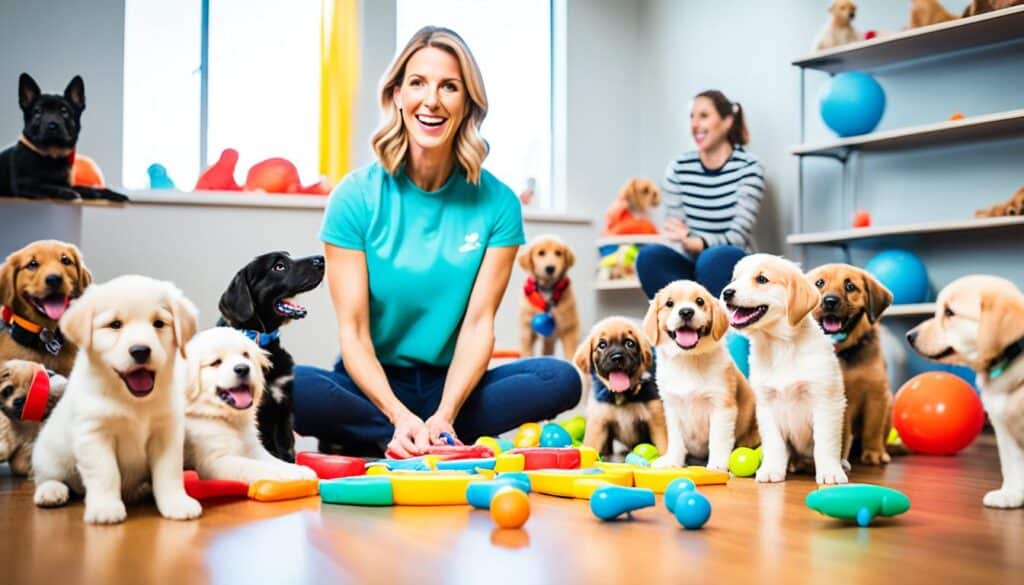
{"x":37,"y":398}
{"x":537,"y":299}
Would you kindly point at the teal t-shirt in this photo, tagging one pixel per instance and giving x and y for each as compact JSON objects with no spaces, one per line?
{"x":423,"y":250}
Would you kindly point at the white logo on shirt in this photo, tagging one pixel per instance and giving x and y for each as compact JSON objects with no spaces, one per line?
{"x":472,"y":243}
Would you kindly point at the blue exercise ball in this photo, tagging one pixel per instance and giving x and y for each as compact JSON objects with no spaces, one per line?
{"x":739,"y":349}
{"x":902,"y":273}
{"x":852,"y":103}
{"x":543,"y":323}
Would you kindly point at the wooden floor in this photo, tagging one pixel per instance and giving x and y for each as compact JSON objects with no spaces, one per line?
{"x":757,"y":534}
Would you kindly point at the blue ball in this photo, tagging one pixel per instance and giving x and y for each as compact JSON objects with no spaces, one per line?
{"x":902,"y":273}
{"x":692,"y":510}
{"x":553,"y":435}
{"x":739,"y":349}
{"x":676,"y":487}
{"x":852,"y":103}
{"x":543,"y":323}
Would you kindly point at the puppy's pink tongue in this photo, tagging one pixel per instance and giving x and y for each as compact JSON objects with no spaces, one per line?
{"x":140,"y":380}
{"x":619,"y":381}
{"x":241,"y":396}
{"x":832,"y":324}
{"x":54,"y":307}
{"x":686,"y":337}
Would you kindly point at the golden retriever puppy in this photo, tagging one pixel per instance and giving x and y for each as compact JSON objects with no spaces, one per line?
{"x":983,"y":6}
{"x":1013,"y":206}
{"x":979,"y":322}
{"x":852,"y":301}
{"x":839,"y":28}
{"x":623,"y":403}
{"x":926,"y":12}
{"x":546,"y":261}
{"x":709,"y":406}
{"x":37,"y":283}
{"x":225,"y":388}
{"x":19,"y":426}
{"x":120,"y":427}
{"x":793,"y":369}
{"x":628,"y":214}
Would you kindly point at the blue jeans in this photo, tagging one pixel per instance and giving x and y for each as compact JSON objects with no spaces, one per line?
{"x":329,"y":405}
{"x":658,"y":265}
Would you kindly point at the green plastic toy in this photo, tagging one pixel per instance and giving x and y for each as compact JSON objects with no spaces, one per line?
{"x":858,"y":501}
{"x":647,"y":451}
{"x":367,"y":490}
{"x":744,"y":461}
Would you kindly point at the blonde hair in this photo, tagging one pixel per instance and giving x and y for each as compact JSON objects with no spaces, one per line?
{"x":391,"y":143}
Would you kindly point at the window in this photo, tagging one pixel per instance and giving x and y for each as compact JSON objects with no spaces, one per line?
{"x":511,"y":40}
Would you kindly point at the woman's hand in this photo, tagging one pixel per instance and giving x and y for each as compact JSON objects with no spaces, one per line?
{"x":438,"y":424}
{"x":411,"y":437}
{"x":693,"y":245}
{"x":676,"y":230}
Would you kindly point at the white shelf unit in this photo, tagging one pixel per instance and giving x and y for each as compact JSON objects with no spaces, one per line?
{"x":839,"y":237}
{"x":621,"y":284}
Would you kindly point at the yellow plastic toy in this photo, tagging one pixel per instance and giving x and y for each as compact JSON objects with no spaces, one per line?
{"x":561,"y":482}
{"x":509,"y":462}
{"x":431,"y":489}
{"x":490,"y":442}
{"x":582,"y":489}
{"x":528,"y":435}
{"x":588,"y":457}
{"x":658,"y":479}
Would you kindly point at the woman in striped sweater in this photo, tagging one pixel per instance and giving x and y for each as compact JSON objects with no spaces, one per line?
{"x":711,"y":196}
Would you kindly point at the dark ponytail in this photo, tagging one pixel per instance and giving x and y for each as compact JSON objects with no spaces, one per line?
{"x":738,"y":134}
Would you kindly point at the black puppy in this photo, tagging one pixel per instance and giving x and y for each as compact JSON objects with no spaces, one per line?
{"x":259,"y":301}
{"x":39,"y":165}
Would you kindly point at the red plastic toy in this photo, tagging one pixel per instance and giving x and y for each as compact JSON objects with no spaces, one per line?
{"x":86,"y":173}
{"x":331,"y":466}
{"x":937,"y":413}
{"x":38,"y":396}
{"x":452,"y":452}
{"x":549,"y":458}
{"x":279,"y":175}
{"x":205,"y":489}
{"x":221,"y":174}
{"x":862,"y":219}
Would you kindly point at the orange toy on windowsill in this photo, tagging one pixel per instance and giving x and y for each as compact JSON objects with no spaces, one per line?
{"x":273,"y":175}
{"x":86,"y":173}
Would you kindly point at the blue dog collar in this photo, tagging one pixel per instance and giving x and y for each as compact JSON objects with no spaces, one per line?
{"x":261,"y":339}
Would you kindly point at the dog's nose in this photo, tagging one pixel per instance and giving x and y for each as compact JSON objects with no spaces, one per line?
{"x":242,"y":370}
{"x":51,"y":126}
{"x":617,"y":357}
{"x":830,"y":302}
{"x":728,"y":294}
{"x":318,"y":261}
{"x":140,"y":353}
{"x":549,"y":269}
{"x":686,"y":313}
{"x":53,"y":280}
{"x":911,"y":336}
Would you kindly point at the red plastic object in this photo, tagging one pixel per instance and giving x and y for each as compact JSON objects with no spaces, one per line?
{"x":549,"y":458}
{"x":221,"y":174}
{"x":331,"y":466}
{"x":279,"y":175}
{"x":862,"y":219}
{"x":38,"y":396}
{"x":205,"y":489}
{"x":453,"y":452}
{"x":937,"y":413}
{"x":870,"y":35}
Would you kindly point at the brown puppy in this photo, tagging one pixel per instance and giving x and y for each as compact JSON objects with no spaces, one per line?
{"x":628,"y":214}
{"x":16,"y":432}
{"x":983,"y":6}
{"x":623,"y":402}
{"x":979,"y":322}
{"x":839,"y":28}
{"x":37,"y":283}
{"x":926,"y":12}
{"x":851,"y":303}
{"x":1013,"y":206}
{"x":547,"y":261}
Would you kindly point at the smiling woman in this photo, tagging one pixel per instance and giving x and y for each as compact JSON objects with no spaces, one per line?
{"x":419,"y":248}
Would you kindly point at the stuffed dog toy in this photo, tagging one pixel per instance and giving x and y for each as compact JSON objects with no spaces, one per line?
{"x":628,"y":214}
{"x":839,"y":28}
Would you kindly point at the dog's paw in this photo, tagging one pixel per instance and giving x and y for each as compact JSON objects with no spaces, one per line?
{"x":768,"y":475}
{"x":104,"y":511}
{"x":1003,"y":499}
{"x":718,"y":464}
{"x":830,"y":475}
{"x":874,"y":457}
{"x":291,"y":472}
{"x":50,"y":494}
{"x":179,"y":507}
{"x":668,"y":461}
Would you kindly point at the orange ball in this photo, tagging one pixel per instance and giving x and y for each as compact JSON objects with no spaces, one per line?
{"x":956,"y":116}
{"x":937,"y":413}
{"x":510,"y":508}
{"x":862,"y":219}
{"x":86,"y":173}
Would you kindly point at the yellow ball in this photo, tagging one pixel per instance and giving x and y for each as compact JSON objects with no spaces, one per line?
{"x":490,"y":442}
{"x":528,"y":435}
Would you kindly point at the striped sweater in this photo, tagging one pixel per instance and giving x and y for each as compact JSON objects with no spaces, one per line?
{"x":719,"y":205}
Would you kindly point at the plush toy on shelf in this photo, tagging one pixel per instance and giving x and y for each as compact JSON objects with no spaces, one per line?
{"x":1013,"y":206}
{"x":273,"y":175}
{"x":628,"y":214}
{"x":839,"y":28}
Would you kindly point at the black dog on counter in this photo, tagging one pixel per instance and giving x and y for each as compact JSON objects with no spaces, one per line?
{"x":258,"y":302}
{"x":39,"y":165}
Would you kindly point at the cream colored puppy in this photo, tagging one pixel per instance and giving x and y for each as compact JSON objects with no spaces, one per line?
{"x":979,"y":322}
{"x":709,"y":407}
{"x":793,"y":369}
{"x":120,"y":427}
{"x":225,"y":388}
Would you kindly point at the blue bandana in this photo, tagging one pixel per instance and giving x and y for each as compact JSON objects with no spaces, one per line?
{"x":261,"y":339}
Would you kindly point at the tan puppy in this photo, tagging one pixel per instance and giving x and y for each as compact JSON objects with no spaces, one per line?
{"x":225,"y":387}
{"x":37,"y":283}
{"x":851,"y":303}
{"x":120,"y":426}
{"x":628,"y":214}
{"x":979,"y":322}
{"x":983,"y":6}
{"x":793,"y":369}
{"x":709,"y":407}
{"x":623,"y":403}
{"x":1013,"y":206}
{"x":16,"y":434}
{"x":546,"y":261}
{"x":839,"y":28}
{"x":926,"y":12}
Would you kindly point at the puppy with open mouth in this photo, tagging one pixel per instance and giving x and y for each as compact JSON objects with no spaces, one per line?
{"x":224,"y":390}
{"x":709,"y":406}
{"x":623,"y":404}
{"x":794,"y":372}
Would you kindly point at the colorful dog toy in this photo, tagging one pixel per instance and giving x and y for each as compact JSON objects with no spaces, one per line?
{"x":674,"y":489}
{"x":273,"y":491}
{"x":858,"y":501}
{"x":510,"y":507}
{"x":205,"y":489}
{"x":611,"y":501}
{"x":692,"y":510}
{"x":331,"y":466}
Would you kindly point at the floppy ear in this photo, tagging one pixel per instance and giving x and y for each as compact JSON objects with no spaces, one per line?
{"x":76,"y":322}
{"x":526,"y":259}
{"x":652,"y":329}
{"x":879,"y":297}
{"x":581,"y":359}
{"x":1001,"y":323}
{"x":629,"y":193}
{"x":803,"y":298}
{"x":185,"y":320}
{"x":75,"y":92}
{"x":84,"y":276}
{"x":236,"y":303}
{"x":646,"y":352}
{"x":7,"y":273}
{"x":719,"y":320}
{"x":656,"y":198}
{"x":570,"y":258}
{"x":28,"y":91}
